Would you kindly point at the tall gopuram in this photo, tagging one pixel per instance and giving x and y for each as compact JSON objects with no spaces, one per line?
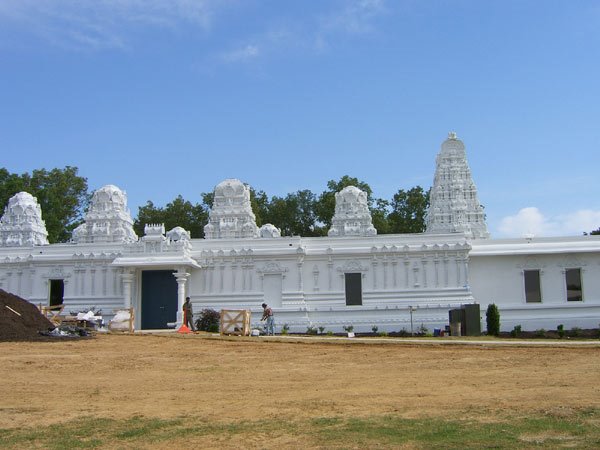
{"x":22,"y":224}
{"x":454,"y":204}
{"x":107,"y":220}
{"x":231,"y":215}
{"x":352,"y":216}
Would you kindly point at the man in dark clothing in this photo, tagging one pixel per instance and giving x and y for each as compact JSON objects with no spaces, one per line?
{"x":188,"y":314}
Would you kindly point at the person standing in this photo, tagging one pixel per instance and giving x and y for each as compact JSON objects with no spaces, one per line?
{"x":188,"y":314}
{"x":270,"y":321}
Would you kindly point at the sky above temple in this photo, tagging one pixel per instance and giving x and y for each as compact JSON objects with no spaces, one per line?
{"x":169,"y":97}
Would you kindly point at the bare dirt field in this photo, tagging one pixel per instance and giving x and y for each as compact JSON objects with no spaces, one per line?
{"x":237,"y":379}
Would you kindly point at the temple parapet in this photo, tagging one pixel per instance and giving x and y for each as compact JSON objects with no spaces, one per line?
{"x":22,"y":224}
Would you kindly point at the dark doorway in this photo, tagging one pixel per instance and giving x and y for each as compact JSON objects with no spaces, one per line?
{"x":57,"y":292}
{"x":159,"y":299}
{"x":353,"y":289}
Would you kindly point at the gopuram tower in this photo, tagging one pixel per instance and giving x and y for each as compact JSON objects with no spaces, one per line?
{"x":454,"y":205}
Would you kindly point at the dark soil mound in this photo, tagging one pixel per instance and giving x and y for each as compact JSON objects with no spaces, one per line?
{"x":23,"y":327}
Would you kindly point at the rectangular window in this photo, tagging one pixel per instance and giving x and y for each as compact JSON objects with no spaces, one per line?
{"x":353,"y":289}
{"x":573,"y":281}
{"x":533,"y":292}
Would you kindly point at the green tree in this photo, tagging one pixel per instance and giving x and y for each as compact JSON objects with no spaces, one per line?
{"x":293,"y":214}
{"x":492,"y":320}
{"x":408,"y":211}
{"x":179,"y":212}
{"x":61,"y":193}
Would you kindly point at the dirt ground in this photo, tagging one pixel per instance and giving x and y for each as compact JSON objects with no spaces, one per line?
{"x":166,"y":376}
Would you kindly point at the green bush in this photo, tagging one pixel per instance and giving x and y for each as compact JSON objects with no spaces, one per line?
{"x":330,"y":333}
{"x":208,"y":320}
{"x":348,"y":328}
{"x":492,"y":320}
{"x":516,"y":331}
{"x":374,"y":328}
{"x":561,"y":331}
{"x":321,"y":330}
{"x":540,"y":333}
{"x":575,"y":331}
{"x":285,"y":329}
{"x":311,"y":330}
{"x":383,"y":333}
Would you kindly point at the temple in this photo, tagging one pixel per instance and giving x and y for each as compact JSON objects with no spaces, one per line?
{"x":352,"y":276}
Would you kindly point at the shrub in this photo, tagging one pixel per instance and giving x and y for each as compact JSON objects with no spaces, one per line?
{"x":561,"y":331}
{"x":348,"y":328}
{"x":403,"y":333}
{"x":311,"y":330}
{"x":208,"y":320}
{"x":516,"y":331}
{"x":321,"y":330}
{"x":423,"y":330}
{"x":285,"y":329}
{"x":540,"y":333}
{"x":492,"y":320}
{"x":575,"y":331}
{"x":330,"y":333}
{"x":383,"y":333}
{"x":374,"y":328}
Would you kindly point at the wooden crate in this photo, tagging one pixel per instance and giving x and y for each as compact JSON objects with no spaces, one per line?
{"x":127,"y":326}
{"x":235,"y":322}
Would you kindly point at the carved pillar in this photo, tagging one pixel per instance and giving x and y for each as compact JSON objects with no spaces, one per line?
{"x":181,"y":276}
{"x":406,"y":280}
{"x":104,"y":270}
{"x":424,"y":264}
{"x":436,"y":265}
{"x":127,"y":278}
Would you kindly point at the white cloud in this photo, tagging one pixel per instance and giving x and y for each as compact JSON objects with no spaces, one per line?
{"x":101,"y":23}
{"x":357,"y":17}
{"x":531,"y":221}
{"x":243,"y":54}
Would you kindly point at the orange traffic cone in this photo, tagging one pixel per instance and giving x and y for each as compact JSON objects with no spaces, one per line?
{"x":183,"y":329}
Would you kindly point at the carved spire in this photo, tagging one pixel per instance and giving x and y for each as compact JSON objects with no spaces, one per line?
{"x":231,"y":215}
{"x":352,"y":216}
{"x":22,"y":224}
{"x":454,"y":204}
{"x":108,"y":219}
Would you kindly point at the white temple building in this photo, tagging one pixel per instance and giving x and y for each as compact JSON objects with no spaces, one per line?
{"x":351,"y":277}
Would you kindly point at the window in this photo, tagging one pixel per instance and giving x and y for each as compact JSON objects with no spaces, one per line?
{"x":573,"y":282}
{"x":353,"y":289}
{"x":533,"y":292}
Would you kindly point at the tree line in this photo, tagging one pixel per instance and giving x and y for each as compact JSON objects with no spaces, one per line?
{"x":63,"y":196}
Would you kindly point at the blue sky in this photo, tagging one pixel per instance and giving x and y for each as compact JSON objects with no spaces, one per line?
{"x":169,"y":97}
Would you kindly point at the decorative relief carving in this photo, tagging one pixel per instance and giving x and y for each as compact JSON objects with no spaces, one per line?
{"x":272,"y":267}
{"x":352,"y":265}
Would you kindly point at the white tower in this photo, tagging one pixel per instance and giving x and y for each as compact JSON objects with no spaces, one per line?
{"x":352,"y":216}
{"x":231,"y":215}
{"x":22,"y":224}
{"x":454,"y":204}
{"x":107,"y":220}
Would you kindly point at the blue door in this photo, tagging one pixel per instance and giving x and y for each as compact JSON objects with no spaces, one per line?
{"x":159,"y":299}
